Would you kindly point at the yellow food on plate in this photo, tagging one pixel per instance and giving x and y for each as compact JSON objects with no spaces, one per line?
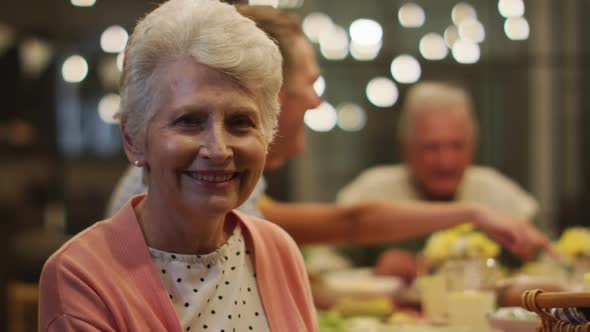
{"x":403,"y":317}
{"x":376,"y":307}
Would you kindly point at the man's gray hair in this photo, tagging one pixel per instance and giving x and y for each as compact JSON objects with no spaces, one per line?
{"x":210,"y":32}
{"x":431,"y":96}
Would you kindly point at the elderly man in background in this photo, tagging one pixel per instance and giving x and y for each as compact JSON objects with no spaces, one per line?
{"x":437,"y":134}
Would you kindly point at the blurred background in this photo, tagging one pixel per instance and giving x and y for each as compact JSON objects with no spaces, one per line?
{"x":525,"y":62}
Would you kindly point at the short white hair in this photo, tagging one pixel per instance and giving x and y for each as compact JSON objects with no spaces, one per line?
{"x":210,"y":32}
{"x":431,"y":96}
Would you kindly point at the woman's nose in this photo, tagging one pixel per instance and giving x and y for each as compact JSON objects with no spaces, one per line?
{"x":216,"y":146}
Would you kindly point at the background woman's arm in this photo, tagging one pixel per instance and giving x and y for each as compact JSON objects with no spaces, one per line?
{"x":378,"y":222}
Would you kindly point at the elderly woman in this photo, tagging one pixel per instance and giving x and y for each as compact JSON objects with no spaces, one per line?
{"x":199,"y":104}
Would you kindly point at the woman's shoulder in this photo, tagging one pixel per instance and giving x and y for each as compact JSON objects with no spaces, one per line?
{"x":67,"y":270}
{"x":82,"y":247}
{"x":100,"y":245}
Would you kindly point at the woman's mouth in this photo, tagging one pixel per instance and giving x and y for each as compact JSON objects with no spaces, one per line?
{"x":213,"y":178}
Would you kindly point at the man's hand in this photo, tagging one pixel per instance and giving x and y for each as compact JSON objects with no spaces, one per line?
{"x":536,"y":241}
{"x":519,"y":236}
{"x":395,"y":262}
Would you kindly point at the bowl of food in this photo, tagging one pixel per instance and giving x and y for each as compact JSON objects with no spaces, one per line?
{"x":362,"y":283}
{"x":514,"y":319}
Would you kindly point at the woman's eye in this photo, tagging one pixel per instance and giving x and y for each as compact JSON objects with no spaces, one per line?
{"x":241,"y":121}
{"x":189,"y":121}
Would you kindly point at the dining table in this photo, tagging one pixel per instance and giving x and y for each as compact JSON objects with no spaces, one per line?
{"x":355,"y":299}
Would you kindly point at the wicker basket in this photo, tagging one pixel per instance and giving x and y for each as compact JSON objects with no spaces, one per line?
{"x":540,"y":302}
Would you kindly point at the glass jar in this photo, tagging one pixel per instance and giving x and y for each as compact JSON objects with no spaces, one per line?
{"x":580,"y":267}
{"x":464,"y":273}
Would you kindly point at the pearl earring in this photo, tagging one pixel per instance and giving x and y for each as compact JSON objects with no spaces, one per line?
{"x":138,"y":163}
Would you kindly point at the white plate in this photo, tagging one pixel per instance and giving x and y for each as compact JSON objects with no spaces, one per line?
{"x":361,"y":282}
{"x":514,"y":325}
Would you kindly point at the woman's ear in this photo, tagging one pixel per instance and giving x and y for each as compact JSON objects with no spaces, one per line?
{"x":133,"y":147}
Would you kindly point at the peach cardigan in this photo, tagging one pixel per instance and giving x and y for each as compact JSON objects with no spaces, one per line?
{"x":104,"y":280}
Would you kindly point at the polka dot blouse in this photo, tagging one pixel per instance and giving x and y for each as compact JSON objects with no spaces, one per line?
{"x":214,"y":292}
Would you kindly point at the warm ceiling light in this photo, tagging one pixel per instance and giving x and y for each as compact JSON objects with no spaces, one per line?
{"x":334,"y":43}
{"x":366,"y":32}
{"x":314,"y":24}
{"x":451,"y":35}
{"x":319,"y":86}
{"x":466,"y":52}
{"x":511,"y":8}
{"x":462,"y":11}
{"x":517,"y":28}
{"x":74,"y":69}
{"x":108,"y":108}
{"x":411,"y":15}
{"x":364,"y":52}
{"x":119,"y":61}
{"x":471,"y":29}
{"x":406,"y":69}
{"x":351,"y":117}
{"x":321,"y":119}
{"x":290,"y":3}
{"x":382,"y":92}
{"x":83,"y":3}
{"x":432,"y":47}
{"x":273,"y":3}
{"x":35,"y":55}
{"x":113,"y":39}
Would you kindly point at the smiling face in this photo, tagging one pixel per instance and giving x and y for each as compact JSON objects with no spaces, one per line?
{"x":439,"y":150}
{"x":204,"y":149}
{"x":297,"y":96}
